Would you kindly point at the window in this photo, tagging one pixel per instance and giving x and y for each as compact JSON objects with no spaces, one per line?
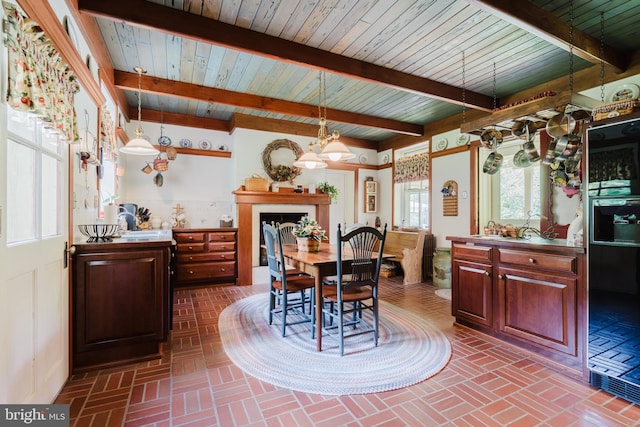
{"x":515,"y":191}
{"x":34,"y":174}
{"x":411,"y":188}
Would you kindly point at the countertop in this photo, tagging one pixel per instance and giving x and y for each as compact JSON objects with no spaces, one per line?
{"x":531,"y":242}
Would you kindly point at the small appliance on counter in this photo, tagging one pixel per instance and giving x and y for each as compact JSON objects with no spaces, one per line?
{"x":129,"y":211}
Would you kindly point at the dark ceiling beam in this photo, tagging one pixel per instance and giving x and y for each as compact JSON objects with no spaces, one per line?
{"x":156,"y":17}
{"x":552,"y":29}
{"x":155,"y":85}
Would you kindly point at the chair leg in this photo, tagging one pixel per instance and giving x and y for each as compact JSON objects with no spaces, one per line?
{"x":272,"y":304}
{"x":341,"y":327}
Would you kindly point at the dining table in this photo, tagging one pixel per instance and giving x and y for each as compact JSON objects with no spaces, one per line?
{"x":319,"y":265}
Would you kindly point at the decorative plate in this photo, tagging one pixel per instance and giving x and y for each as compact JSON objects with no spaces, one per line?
{"x":442,"y":144}
{"x":185,"y":143}
{"x":363,"y":159}
{"x":164,"y":140}
{"x":464,"y":139}
{"x":385,"y":159}
{"x":624,"y":92}
{"x":223,"y":147}
{"x":205,"y":144}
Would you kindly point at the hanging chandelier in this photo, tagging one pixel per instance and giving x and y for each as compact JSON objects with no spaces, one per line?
{"x":139,"y":146}
{"x":329,"y":144}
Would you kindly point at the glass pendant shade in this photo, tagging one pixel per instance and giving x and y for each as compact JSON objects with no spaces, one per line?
{"x":310,"y":160}
{"x":336,"y":151}
{"x":140,"y":147}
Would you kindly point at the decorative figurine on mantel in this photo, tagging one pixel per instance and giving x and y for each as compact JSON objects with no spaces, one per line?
{"x":178,"y":218}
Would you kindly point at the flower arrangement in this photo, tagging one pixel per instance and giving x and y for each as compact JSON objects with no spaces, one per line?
{"x":282,"y":173}
{"x":308,"y":227}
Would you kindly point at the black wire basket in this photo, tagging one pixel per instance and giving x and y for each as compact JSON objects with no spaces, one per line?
{"x":98,"y":232}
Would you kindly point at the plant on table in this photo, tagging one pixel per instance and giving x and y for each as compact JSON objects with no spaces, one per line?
{"x":310,"y":228}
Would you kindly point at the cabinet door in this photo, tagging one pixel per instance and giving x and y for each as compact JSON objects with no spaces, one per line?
{"x":539,"y":308}
{"x":472,"y":292}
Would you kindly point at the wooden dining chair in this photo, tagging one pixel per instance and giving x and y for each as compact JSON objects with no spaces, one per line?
{"x":288,"y":295}
{"x":285,"y":231}
{"x":346,"y":304}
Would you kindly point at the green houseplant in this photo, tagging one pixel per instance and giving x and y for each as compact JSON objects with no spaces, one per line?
{"x":329,"y":189}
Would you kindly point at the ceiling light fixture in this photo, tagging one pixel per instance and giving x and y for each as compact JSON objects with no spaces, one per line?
{"x":139,"y":146}
{"x":330,"y":145}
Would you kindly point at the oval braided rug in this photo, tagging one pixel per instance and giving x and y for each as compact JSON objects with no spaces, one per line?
{"x":409,"y":350}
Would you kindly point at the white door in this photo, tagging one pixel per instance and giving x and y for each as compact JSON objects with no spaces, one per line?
{"x":34,"y":288}
{"x":341,"y":212}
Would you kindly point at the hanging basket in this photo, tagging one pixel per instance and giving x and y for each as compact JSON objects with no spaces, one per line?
{"x":160,"y":164}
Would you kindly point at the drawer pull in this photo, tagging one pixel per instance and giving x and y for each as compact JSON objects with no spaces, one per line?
{"x":190,"y":271}
{"x":190,"y":237}
{"x":486,"y":273}
{"x":532,"y":261}
{"x":222,"y":269}
{"x":222,"y":256}
{"x":190,"y":258}
{"x":190,"y":248}
{"x":500,"y":276}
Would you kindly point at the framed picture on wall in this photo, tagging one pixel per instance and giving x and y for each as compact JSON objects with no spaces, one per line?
{"x":371,"y":186}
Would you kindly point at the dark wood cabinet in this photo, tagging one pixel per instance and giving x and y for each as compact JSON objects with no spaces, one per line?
{"x":205,"y":255}
{"x":121,"y":300}
{"x":531,"y":294}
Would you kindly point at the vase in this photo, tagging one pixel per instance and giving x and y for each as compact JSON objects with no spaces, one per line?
{"x":307,"y":244}
{"x":442,"y":268}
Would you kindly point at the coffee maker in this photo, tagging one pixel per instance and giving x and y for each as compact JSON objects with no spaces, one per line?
{"x":128,"y":211}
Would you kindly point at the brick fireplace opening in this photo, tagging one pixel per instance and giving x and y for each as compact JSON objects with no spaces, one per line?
{"x":275,"y":217}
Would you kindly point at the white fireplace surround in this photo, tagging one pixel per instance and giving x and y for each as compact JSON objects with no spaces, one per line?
{"x":257,"y":209}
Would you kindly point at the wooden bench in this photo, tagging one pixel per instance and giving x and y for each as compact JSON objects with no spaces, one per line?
{"x":397,"y":241}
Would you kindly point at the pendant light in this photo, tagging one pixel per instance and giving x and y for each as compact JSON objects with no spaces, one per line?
{"x":330,"y":145}
{"x":139,"y":146}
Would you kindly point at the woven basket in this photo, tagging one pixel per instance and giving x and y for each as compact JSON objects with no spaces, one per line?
{"x":256,"y":184}
{"x":615,"y":109}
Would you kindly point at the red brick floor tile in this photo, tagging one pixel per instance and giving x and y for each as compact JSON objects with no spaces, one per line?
{"x":486,"y":382}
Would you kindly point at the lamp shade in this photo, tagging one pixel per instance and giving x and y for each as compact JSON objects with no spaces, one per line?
{"x":139,"y":147}
{"x":310,"y":160}
{"x":335,"y":151}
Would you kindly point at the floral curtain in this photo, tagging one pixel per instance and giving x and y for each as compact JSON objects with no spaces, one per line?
{"x":39,"y":79}
{"x":107,"y":135}
{"x":411,"y":168}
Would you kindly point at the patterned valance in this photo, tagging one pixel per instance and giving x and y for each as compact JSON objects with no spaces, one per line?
{"x":39,"y":79}
{"x":411,"y":168}
{"x":107,"y":135}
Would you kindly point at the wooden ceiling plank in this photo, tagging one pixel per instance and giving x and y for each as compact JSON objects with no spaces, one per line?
{"x":163,"y":117}
{"x":129,"y":81}
{"x":149,"y":15}
{"x":552,"y":29}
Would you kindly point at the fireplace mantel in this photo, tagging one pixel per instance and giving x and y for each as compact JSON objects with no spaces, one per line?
{"x":286,"y":196}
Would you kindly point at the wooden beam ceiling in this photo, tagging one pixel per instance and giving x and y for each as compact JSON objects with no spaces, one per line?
{"x":552,"y":29}
{"x":156,"y":17}
{"x":155,"y":85}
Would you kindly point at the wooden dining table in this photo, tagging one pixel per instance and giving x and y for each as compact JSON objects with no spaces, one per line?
{"x":320,"y":265}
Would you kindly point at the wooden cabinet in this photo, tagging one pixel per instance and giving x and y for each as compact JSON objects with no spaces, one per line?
{"x":530,"y":294}
{"x":205,"y":255}
{"x":121,"y":300}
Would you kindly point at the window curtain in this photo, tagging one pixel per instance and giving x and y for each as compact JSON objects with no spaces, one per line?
{"x":411,"y":168}
{"x":40,"y":81}
{"x":107,"y":135}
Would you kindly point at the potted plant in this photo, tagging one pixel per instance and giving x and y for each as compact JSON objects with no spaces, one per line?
{"x":329,"y":189}
{"x":308,"y":234}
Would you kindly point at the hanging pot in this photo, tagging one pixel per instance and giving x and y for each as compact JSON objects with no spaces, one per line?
{"x":531,"y":151}
{"x":520,"y":159}
{"x":550,"y":156}
{"x":492,"y":163}
{"x":523,"y":129}
{"x":560,"y":125}
{"x":491,"y":137}
{"x":566,"y":146}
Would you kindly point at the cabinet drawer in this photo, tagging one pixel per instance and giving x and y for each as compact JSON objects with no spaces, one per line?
{"x":206,"y":256}
{"x":207,"y":270}
{"x":189,"y":237}
{"x":472,"y":251}
{"x":561,"y":263}
{"x":228,"y":236}
{"x":222,"y":246}
{"x":191,"y":247}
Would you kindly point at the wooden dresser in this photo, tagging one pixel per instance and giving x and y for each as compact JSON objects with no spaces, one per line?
{"x":528,"y":292}
{"x":205,"y":255}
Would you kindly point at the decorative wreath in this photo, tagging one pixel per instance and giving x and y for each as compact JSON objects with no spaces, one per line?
{"x":281,"y":173}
